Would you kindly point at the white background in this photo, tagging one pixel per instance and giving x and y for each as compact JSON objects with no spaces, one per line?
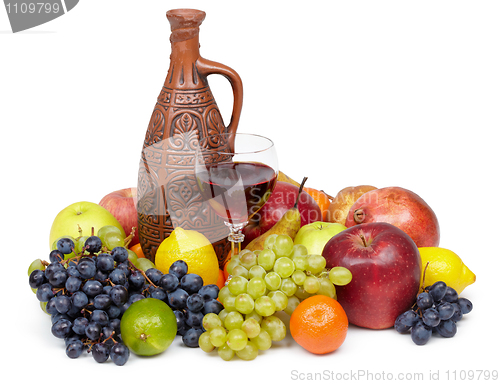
{"x":387,"y":93}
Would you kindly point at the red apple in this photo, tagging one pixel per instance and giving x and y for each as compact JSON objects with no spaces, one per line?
{"x":281,"y":200}
{"x":385,"y":266}
{"x":123,"y":206}
{"x":400,"y":207}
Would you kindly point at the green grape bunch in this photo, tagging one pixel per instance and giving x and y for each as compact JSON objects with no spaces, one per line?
{"x":260,"y":284}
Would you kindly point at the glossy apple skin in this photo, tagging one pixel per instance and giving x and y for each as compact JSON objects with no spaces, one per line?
{"x":281,"y":200}
{"x":85,"y":216}
{"x":385,"y":273}
{"x":400,"y":207}
{"x":123,"y":206}
{"x":315,"y":235}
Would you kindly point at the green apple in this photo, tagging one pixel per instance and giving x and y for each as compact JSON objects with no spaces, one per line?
{"x":315,"y":235}
{"x":84,"y":215}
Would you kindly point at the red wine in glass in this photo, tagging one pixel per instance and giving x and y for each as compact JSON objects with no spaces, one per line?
{"x":236,"y":190}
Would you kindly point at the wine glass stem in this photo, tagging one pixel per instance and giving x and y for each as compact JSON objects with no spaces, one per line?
{"x":236,"y":237}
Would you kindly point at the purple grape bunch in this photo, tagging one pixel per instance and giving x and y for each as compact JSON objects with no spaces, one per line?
{"x":86,"y":296}
{"x":437,"y":310}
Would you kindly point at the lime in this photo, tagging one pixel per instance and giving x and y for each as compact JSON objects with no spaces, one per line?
{"x":192,"y":247}
{"x":148,"y":327}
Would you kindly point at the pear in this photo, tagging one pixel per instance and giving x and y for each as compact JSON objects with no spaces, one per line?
{"x":343,"y":201}
{"x":285,"y":178}
{"x":289,"y":224}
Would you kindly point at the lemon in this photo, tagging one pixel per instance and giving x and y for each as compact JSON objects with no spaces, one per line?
{"x":192,"y":247}
{"x":148,"y":327}
{"x":445,"y":265}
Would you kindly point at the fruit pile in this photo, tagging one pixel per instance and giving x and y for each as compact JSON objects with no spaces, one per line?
{"x":292,"y":264}
{"x":438,"y":308}
{"x":262,"y":283}
{"x":86,"y":290}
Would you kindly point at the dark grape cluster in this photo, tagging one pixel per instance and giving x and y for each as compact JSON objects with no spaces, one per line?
{"x":87,"y":295}
{"x":187,"y":296}
{"x":436,"y":310}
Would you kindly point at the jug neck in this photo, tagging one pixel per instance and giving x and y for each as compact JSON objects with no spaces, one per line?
{"x":183,"y":73}
{"x":186,"y":51}
{"x":184,"y":39}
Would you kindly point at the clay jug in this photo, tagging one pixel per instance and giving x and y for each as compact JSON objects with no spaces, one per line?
{"x":185,"y":112}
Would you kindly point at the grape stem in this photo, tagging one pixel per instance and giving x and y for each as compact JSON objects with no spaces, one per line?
{"x":143,"y":274}
{"x":423,"y":278}
{"x":415,"y":307}
{"x":419,"y":312}
{"x":91,"y":343}
{"x":129,"y":238}
{"x":77,"y":257}
{"x":110,"y":337}
{"x":57,"y":290}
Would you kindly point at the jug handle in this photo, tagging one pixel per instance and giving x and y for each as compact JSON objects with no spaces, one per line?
{"x":208,"y":67}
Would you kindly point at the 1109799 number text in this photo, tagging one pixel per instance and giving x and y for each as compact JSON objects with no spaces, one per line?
{"x":477,"y":374}
{"x":33,"y":7}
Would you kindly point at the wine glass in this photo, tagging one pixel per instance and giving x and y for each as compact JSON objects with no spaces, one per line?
{"x":236,"y":174}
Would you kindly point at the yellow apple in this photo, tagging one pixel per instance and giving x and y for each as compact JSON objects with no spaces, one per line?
{"x":315,"y":235}
{"x":84,"y":215}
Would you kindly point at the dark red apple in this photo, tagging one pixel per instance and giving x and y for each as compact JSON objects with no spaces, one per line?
{"x":400,"y":207}
{"x":281,"y":200}
{"x":123,"y":206}
{"x":385,"y":266}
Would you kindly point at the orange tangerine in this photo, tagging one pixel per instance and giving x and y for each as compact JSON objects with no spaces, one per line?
{"x":226,"y":273}
{"x":319,"y":324}
{"x":225,"y":259}
{"x":221,"y":280}
{"x":137,"y":249}
{"x":321,"y":198}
